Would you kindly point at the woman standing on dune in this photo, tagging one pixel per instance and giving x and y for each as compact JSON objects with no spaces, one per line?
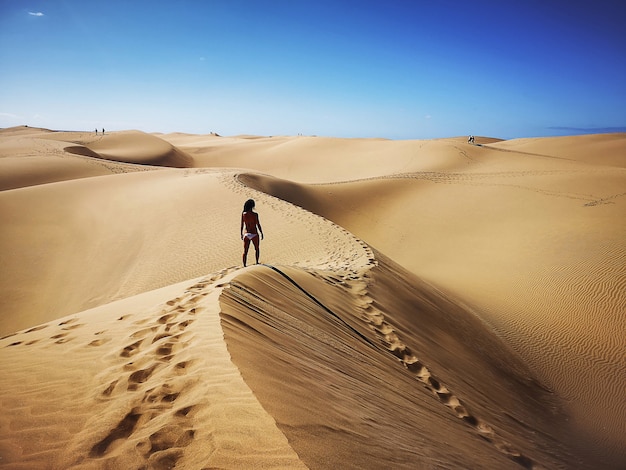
{"x":250,"y":221}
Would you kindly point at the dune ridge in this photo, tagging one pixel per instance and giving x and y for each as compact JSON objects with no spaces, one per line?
{"x":596,"y":149}
{"x":422,"y":304}
{"x":153,"y":387}
{"x":132,"y":147}
{"x":371,"y":442}
{"x":585,"y":282}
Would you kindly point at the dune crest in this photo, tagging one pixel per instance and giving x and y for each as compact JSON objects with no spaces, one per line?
{"x":280,"y":308}
{"x":134,"y":147}
{"x":151,"y":387}
{"x":419,"y":303}
{"x":598,"y":149}
{"x":536,"y":250}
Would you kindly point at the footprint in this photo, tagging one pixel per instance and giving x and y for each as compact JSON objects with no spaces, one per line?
{"x":122,"y":431}
{"x":109,"y":390}
{"x":173,"y":302}
{"x":140,"y":376}
{"x":169,"y":437}
{"x":131,"y":349}
{"x":184,"y":324}
{"x":160,"y":336}
{"x":166,"y":318}
{"x":522,"y":460}
{"x":185,"y":412}
{"x":61,"y":338}
{"x":375,"y":319}
{"x":434,"y":383}
{"x":181,"y":367}
{"x":170,"y":397}
{"x":166,"y":349}
{"x":144,"y":332}
{"x":485,"y":430}
{"x":165,"y":460}
{"x":37,"y":328}
{"x":199,"y":286}
{"x":166,"y":394}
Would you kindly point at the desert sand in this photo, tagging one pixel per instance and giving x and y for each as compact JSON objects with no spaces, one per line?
{"x":418,"y":304}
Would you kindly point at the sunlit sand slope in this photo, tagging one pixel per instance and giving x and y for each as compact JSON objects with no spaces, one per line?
{"x":535,"y":244}
{"x":131,"y":147}
{"x":361,"y":364}
{"x":421,"y":304}
{"x":77,"y":244}
{"x":145,"y":382}
{"x":30,"y":156}
{"x":599,"y":149}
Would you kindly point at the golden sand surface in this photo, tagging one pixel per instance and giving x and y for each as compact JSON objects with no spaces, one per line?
{"x":419,"y":304}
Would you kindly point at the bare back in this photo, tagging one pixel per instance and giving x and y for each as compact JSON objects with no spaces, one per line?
{"x":251,"y":220}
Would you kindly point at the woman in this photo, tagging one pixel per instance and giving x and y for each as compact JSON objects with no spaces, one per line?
{"x":250,"y":220}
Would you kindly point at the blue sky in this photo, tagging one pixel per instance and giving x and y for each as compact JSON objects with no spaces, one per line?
{"x":397,"y":69}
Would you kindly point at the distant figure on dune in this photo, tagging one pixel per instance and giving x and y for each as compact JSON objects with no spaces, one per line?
{"x":103,"y":131}
{"x":470,"y":139}
{"x":250,"y":221}
{"x":96,"y":131}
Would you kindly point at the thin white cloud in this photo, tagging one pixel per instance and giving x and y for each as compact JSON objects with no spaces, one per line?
{"x":35,"y":13}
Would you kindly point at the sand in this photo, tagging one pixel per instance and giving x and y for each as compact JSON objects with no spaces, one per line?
{"x":420,"y":304}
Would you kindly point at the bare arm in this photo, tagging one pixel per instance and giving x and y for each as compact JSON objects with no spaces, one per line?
{"x":241,"y":229}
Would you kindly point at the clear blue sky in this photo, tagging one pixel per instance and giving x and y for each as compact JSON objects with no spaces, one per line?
{"x":398,"y":69}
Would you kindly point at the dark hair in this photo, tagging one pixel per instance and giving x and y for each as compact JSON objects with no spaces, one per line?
{"x":249,"y":205}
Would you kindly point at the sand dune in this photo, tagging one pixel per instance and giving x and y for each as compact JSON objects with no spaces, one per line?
{"x":600,"y":149}
{"x":538,"y":252}
{"x":132,"y":147}
{"x":422,"y":304}
{"x":322,"y":159}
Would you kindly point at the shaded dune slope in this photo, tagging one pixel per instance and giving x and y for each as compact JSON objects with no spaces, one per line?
{"x":28,"y":158}
{"x":133,"y":147}
{"x":364,"y":356}
{"x":31,"y":156}
{"x":540,"y":256}
{"x":151,"y":383}
{"x":322,"y":159}
{"x":355,"y":339}
{"x":427,"y":351}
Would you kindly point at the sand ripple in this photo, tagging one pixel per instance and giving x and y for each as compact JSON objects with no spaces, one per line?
{"x":577,"y":338}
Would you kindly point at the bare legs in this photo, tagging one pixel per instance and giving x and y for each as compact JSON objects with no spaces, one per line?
{"x":246,"y":246}
{"x":257,"y":250}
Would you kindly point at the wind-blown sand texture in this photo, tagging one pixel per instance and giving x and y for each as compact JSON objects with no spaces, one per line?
{"x":420,"y":304}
